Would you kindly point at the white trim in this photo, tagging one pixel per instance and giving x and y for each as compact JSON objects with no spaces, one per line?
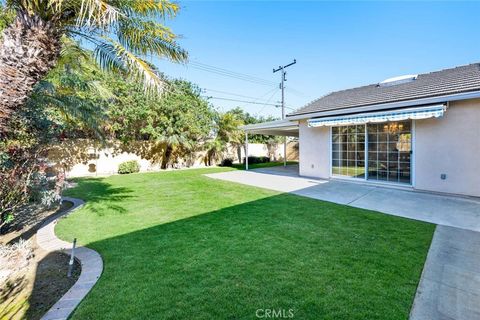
{"x":366,"y":154}
{"x":391,"y":105}
{"x":398,"y":185}
{"x":330,"y":142}
{"x":413,"y":153}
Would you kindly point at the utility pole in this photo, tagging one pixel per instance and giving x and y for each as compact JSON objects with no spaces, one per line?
{"x":283,"y":76}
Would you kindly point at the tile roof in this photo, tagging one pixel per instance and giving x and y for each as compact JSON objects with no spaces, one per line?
{"x":444,"y":82}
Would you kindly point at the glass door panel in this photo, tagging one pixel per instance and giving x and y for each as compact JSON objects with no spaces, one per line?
{"x":389,"y":151}
{"x":348,"y":151}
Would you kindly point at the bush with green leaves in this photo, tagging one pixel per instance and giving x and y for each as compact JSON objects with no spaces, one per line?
{"x":227,"y":162}
{"x":253,"y":159}
{"x":128,"y":167}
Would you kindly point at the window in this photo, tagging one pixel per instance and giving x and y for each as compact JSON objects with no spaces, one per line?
{"x":389,"y":151}
{"x":386,"y":145}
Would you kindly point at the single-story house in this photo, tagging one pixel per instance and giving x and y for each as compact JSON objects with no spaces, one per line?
{"x":417,"y":131}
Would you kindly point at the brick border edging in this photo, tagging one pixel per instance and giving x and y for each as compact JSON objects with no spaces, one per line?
{"x":90,"y":260}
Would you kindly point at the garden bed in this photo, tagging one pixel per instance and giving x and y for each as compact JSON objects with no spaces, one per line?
{"x":34,"y":280}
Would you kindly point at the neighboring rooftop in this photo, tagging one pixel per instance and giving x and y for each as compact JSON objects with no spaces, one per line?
{"x":439,"y":83}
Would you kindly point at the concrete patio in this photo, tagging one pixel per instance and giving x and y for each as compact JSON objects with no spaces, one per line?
{"x":444,"y":210}
{"x":449,"y":287}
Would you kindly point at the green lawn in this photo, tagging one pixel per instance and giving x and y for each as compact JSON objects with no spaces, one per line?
{"x":241,"y":166}
{"x":179,"y":245}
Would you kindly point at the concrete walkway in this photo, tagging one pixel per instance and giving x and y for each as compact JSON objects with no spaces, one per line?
{"x":450,"y":284}
{"x":449,"y":287}
{"x":445,"y":210}
{"x":90,"y":260}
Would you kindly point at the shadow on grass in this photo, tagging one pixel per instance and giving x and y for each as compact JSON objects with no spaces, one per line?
{"x":321,"y":260}
{"x":96,"y":190}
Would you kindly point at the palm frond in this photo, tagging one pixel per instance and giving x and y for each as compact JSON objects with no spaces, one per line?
{"x":73,"y":109}
{"x":157,"y":8}
{"x":112,"y":55}
{"x":101,"y":90}
{"x":149,"y":37}
{"x":97,"y":13}
{"x":44,"y":87}
{"x":123,"y":33}
{"x":72,"y":51}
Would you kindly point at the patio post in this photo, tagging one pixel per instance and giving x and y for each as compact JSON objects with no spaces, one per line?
{"x":285,"y":151}
{"x":246,"y":150}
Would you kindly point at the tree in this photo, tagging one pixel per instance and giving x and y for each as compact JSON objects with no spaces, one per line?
{"x":246,"y":118}
{"x":228,"y":133}
{"x":176,"y":123}
{"x":122,"y":33}
{"x":66,"y":104}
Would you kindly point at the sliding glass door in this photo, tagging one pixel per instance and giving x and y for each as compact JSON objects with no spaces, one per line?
{"x":348,"y":151}
{"x":389,"y":151}
{"x":387,"y":145}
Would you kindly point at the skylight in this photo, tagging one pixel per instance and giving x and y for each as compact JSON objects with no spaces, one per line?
{"x":398,"y":80}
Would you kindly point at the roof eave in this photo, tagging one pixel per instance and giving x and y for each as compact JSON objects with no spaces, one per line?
{"x":271,"y":125}
{"x":391,"y":105}
{"x":275,"y":128}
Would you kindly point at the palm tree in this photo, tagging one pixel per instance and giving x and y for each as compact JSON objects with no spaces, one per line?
{"x":229,"y":131}
{"x":120,"y":32}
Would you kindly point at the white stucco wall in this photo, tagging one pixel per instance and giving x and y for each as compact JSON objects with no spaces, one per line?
{"x":107,"y":163}
{"x":105,"y":160}
{"x":449,"y":145}
{"x":314,"y":154}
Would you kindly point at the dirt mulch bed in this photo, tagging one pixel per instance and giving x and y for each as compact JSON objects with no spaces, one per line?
{"x":33,"y":289}
{"x":28,"y":220}
{"x":50,"y":283}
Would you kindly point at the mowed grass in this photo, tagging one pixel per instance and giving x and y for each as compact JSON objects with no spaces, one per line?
{"x":241,"y":166}
{"x":179,"y":245}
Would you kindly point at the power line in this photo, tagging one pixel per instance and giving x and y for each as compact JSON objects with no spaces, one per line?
{"x":244,"y":101}
{"x":234,"y":94}
{"x":230,"y":74}
{"x":268,"y":92}
{"x":296,"y":92}
{"x":271,"y":97}
{"x":235,"y":77}
{"x":233,"y":73}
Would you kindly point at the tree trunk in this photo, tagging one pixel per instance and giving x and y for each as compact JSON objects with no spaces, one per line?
{"x":166,"y":156}
{"x":29,"y":49}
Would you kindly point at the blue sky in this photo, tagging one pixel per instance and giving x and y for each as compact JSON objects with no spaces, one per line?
{"x":337,"y":45}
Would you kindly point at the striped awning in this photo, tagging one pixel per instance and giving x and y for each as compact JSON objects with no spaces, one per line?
{"x":416,"y":113}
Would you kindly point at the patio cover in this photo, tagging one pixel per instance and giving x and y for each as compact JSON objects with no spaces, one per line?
{"x":422,"y":112}
{"x":274,"y":128}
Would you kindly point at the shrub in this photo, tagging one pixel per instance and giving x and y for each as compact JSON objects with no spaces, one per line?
{"x":128,"y":167}
{"x":227,"y":162}
{"x":253,"y":160}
